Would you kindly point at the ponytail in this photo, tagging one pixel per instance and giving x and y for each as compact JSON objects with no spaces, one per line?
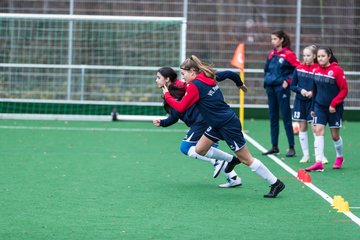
{"x":198,"y":66}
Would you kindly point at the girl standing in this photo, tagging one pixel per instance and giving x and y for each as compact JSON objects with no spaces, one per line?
{"x":330,"y":90}
{"x":279,"y":68}
{"x":302,"y":84}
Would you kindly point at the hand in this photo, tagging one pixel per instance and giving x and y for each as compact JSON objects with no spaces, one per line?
{"x":165,"y":89}
{"x":332,"y":110}
{"x":303,"y":92}
{"x":156,"y":122}
{"x":285,"y":84}
{"x":244,"y":88}
{"x":309,"y":94}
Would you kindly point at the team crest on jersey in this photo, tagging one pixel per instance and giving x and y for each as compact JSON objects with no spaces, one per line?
{"x":281,"y":60}
{"x":330,"y":73}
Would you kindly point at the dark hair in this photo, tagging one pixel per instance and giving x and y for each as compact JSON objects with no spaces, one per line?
{"x":177,"y":91}
{"x":329,"y":52}
{"x":281,"y":34}
{"x":198,"y":66}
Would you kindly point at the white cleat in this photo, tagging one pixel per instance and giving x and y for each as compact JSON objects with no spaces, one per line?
{"x":230,"y":182}
{"x":304,"y":159}
{"x":217,"y":167}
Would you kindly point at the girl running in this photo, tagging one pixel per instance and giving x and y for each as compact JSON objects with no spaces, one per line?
{"x":203,"y":91}
{"x":193,"y":119}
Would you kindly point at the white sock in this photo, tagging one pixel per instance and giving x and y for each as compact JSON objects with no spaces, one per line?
{"x":218,"y":154}
{"x":260,"y":169}
{"x":304,"y":143}
{"x":319,"y":148}
{"x":230,"y":174}
{"x":193,"y":154}
{"x":339,"y":147}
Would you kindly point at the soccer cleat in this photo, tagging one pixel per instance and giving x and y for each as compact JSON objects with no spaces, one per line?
{"x":217,"y":167}
{"x":291,"y":152}
{"x":231,"y":182}
{"x":324,"y":160}
{"x":273,"y":150}
{"x":338,"y":162}
{"x":276,"y":188}
{"x":318,"y":166}
{"x":305,"y":159}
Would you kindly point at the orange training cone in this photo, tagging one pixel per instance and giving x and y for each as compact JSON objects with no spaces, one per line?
{"x":307,"y":178}
{"x":300,"y":174}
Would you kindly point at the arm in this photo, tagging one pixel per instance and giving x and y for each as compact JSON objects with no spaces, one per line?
{"x":294,"y":83}
{"x":221,"y":76}
{"x":343,"y":89}
{"x":293,"y":61}
{"x":170,"y":120}
{"x":190,"y":98}
{"x":314,"y":92}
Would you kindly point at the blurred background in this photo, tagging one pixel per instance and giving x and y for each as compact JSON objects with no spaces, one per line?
{"x":97,"y":61}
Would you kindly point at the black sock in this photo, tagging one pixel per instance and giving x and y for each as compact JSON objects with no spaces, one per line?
{"x":235,"y":161}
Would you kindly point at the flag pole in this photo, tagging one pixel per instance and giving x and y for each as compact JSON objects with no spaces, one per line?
{"x":238,"y":61}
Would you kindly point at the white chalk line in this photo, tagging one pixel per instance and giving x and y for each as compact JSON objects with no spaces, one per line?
{"x":317,"y":190}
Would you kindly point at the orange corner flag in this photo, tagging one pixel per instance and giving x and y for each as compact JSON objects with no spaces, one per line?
{"x":238,"y":59}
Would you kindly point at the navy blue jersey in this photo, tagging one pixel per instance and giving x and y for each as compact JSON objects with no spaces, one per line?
{"x":330,"y":86}
{"x":190,"y":117}
{"x":279,"y":67}
{"x":221,"y":76}
{"x":212,"y":105}
{"x":303,"y":78}
{"x":207,"y":96}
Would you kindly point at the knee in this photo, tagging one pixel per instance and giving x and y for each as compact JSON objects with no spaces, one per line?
{"x":184,"y":147}
{"x":200,"y":151}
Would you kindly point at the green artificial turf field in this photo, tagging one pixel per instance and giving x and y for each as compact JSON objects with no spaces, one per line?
{"x":128,"y":180}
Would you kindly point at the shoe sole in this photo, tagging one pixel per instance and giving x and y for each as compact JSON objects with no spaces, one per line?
{"x":318,"y":170}
{"x":218,"y":172}
{"x":304,"y":161}
{"x":237,"y":185}
{"x":271,"y":153}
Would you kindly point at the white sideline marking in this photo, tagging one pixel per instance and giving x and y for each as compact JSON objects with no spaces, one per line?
{"x":94,"y":129}
{"x":317,"y":190}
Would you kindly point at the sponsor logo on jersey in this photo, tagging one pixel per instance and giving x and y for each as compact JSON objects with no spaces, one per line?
{"x":213,"y":90}
{"x":281,"y":60}
{"x":330,"y":73}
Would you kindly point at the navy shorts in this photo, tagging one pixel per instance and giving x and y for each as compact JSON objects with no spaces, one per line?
{"x":323,"y":116}
{"x":230,"y":132}
{"x":195,"y":132}
{"x":302,"y":110}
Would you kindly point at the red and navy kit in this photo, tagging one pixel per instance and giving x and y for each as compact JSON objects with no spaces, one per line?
{"x":192,"y":118}
{"x":279,"y":66}
{"x":330,"y":89}
{"x":303,"y":78}
{"x":209,"y":100}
